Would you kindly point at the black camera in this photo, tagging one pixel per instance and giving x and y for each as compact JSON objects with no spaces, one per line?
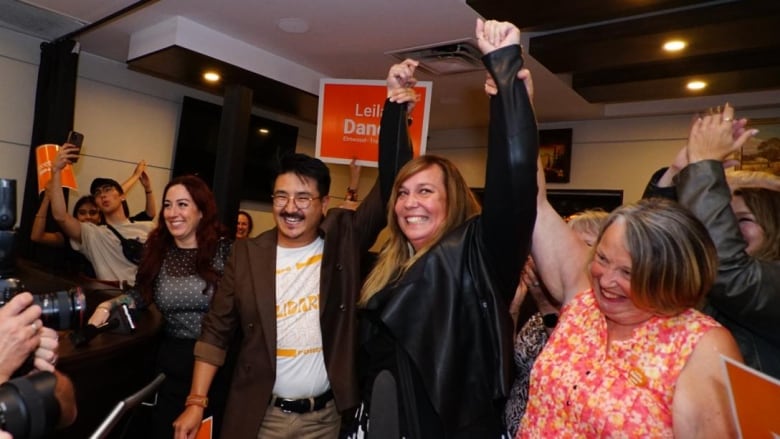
{"x":28,"y":406}
{"x":60,"y":310}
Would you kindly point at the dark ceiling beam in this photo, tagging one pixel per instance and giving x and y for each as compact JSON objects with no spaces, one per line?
{"x":186,"y":67}
{"x":639,"y":41}
{"x":700,"y":66}
{"x":107,"y":19}
{"x":673,"y":87}
{"x":552,"y":14}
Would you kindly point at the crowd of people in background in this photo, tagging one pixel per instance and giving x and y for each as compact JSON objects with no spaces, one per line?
{"x":290,"y":333}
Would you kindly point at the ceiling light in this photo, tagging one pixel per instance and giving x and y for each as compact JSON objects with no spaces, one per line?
{"x":211,"y":76}
{"x":696,"y":85}
{"x":293,"y":25}
{"x":675,"y":45}
{"x":263,"y":131}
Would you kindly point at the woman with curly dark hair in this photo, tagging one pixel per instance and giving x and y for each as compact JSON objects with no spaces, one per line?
{"x":183,"y":261}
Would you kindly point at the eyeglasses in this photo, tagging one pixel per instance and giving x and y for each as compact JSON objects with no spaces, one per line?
{"x":300,"y":201}
{"x":103,"y":190}
{"x":90,"y":212}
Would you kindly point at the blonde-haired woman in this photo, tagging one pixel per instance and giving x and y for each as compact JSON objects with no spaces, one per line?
{"x":435,"y":307}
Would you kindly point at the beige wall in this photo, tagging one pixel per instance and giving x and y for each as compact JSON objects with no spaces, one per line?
{"x":127,"y":116}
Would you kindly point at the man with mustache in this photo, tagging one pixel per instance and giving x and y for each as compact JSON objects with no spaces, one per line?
{"x":292,"y":292}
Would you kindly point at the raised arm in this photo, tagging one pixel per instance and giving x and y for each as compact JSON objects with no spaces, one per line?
{"x":745,"y":288}
{"x":38,"y":233}
{"x":395,"y":149}
{"x":395,"y":146}
{"x":139,"y":174}
{"x":69,"y":224}
{"x":509,"y":203}
{"x":561,"y":257}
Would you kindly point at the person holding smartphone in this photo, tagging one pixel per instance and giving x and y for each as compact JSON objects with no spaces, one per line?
{"x":98,"y":243}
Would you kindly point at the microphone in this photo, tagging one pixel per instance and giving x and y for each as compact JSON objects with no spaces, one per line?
{"x":119,"y":320}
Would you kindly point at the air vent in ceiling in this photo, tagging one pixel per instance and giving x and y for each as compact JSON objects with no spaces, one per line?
{"x":445,"y":58}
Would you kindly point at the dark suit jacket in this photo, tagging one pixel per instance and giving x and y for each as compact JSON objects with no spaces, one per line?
{"x":247,"y":293}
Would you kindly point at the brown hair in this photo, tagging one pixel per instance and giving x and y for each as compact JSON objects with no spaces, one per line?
{"x":673,"y":258}
{"x":396,"y":257}
{"x":764,"y":204}
{"x":160,"y":239}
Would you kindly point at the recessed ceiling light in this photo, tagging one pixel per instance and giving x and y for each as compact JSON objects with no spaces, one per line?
{"x":211,"y":76}
{"x":675,"y":45}
{"x":696,"y":85}
{"x":293,"y":25}
{"x":263,"y":131}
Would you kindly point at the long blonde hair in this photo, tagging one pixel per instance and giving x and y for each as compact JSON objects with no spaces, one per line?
{"x":396,"y":257}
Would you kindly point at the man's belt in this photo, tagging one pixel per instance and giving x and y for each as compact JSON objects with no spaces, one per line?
{"x":304,"y":405}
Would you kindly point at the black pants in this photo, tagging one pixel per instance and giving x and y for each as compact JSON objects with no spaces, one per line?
{"x":176,"y":360}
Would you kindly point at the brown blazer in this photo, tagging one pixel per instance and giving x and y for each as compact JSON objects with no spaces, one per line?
{"x":246,"y":300}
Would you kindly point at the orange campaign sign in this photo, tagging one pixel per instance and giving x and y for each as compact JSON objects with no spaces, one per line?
{"x":755,"y":399}
{"x":206,"y":430}
{"x":349,"y":115}
{"x":44,"y":158}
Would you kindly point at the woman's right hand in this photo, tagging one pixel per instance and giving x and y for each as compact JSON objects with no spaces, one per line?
{"x":401,"y":82}
{"x":66,"y":154}
{"x":101,"y":314}
{"x":186,"y":426}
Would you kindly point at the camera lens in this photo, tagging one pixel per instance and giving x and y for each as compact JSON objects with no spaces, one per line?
{"x":9,"y":286}
{"x":28,"y":406}
{"x":62,"y":309}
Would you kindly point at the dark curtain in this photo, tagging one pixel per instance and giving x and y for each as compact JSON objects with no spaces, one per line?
{"x":54,"y":108}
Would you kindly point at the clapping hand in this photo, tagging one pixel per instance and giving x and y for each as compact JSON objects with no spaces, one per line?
{"x":716,"y":136}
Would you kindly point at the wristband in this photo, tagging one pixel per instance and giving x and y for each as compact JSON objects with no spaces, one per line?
{"x":198,"y":400}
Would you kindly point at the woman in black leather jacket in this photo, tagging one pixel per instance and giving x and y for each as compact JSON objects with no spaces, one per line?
{"x":436,"y":304}
{"x":746,"y":294}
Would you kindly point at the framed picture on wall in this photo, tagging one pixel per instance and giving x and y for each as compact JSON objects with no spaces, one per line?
{"x":762,"y":152}
{"x":555,"y":153}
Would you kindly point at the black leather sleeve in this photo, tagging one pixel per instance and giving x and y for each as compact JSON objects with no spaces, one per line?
{"x":395,"y":146}
{"x":509,"y":203}
{"x":747,"y":290}
{"x":395,"y":149}
{"x":652,"y":190}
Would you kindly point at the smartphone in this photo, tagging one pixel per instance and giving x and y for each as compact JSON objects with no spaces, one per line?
{"x":75,"y":138}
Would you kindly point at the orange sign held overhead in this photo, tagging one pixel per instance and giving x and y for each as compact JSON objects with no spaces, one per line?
{"x":349,"y":115}
{"x":44,"y":157}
